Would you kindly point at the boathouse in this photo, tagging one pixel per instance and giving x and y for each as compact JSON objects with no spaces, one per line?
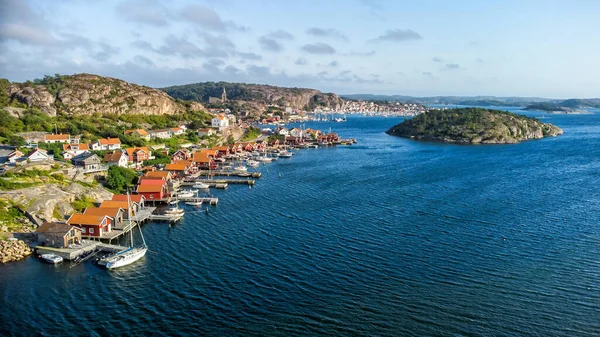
{"x":57,"y":234}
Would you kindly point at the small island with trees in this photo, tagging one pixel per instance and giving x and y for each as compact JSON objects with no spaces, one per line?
{"x":473,"y":126}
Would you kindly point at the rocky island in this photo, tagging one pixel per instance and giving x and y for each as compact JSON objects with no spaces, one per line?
{"x":473,"y":126}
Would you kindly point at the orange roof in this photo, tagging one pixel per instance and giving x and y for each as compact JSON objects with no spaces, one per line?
{"x":83,"y":147}
{"x":176,"y":167}
{"x":184,"y":162}
{"x":108,"y":211}
{"x":221,"y":117}
{"x":82,"y":219}
{"x":201,"y":157}
{"x":123,"y":197}
{"x":57,"y":137}
{"x":176,"y":129}
{"x":149,"y":188}
{"x":140,"y":132}
{"x":114,"y":204}
{"x":146,"y":182}
{"x":158,"y":174}
{"x":131,"y":150}
{"x":210,"y":152}
{"x":221,"y":148}
{"x":109,"y":141}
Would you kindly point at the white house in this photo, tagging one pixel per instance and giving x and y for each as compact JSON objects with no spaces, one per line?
{"x":118,"y":158}
{"x":74,"y":150}
{"x":205,"y":132}
{"x":60,"y":138}
{"x":105,"y":144}
{"x":178,"y":131}
{"x":296,"y":132}
{"x":161,"y":133}
{"x":39,"y":155}
{"x":231,"y":118}
{"x":220,"y":122}
{"x":14,"y":156}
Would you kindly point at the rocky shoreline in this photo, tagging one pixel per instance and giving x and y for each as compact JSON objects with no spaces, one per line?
{"x":14,"y":250}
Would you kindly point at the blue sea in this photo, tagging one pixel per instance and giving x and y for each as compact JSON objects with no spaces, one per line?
{"x":387,"y":237}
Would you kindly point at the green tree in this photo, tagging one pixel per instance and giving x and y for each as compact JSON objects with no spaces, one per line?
{"x":119,"y":178}
{"x":16,"y":141}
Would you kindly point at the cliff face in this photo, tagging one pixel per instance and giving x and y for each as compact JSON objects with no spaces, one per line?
{"x":88,"y":94}
{"x":256,"y":97}
{"x":474,"y":126}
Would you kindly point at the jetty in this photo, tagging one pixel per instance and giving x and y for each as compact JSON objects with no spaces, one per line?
{"x":86,"y":247}
{"x":215,"y":182}
{"x":226,"y":173}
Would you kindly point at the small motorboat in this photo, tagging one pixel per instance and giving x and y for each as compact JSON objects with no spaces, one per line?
{"x":51,"y":258}
{"x":264,"y":159}
{"x":185,"y":194}
{"x":201,"y":185}
{"x":285,"y":154}
{"x":195,"y":202}
{"x":252,"y":163}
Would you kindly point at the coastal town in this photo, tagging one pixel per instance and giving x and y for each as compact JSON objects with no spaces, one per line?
{"x":187,"y":176}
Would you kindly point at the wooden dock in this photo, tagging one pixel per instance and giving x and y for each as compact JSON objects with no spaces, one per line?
{"x":225,"y":173}
{"x":215,"y":182}
{"x":206,"y":200}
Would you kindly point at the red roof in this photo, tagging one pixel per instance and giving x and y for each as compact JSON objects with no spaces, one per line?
{"x":149,"y":188}
{"x":153,"y":182}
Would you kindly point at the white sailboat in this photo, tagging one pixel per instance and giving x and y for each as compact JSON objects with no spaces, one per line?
{"x":131,"y":254}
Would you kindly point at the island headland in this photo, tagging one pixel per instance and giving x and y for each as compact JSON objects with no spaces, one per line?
{"x":473,"y":126}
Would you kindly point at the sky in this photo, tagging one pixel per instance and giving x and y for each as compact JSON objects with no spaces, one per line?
{"x":421,"y":48}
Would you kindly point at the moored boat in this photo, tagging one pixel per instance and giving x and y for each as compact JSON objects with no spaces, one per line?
{"x":51,"y":258}
{"x":200,"y":185}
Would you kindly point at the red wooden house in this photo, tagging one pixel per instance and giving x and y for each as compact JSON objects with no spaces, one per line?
{"x":202,"y":160}
{"x":181,"y":154}
{"x":290,"y":140}
{"x":91,"y":225}
{"x":222,"y":150}
{"x":153,"y":189}
{"x":138,"y":154}
{"x":134,"y":198}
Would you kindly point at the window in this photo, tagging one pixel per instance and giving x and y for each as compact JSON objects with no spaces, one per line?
{"x":91,"y":231}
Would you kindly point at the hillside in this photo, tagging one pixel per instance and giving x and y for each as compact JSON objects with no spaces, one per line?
{"x":86,"y":94}
{"x":451,"y":100}
{"x":256,"y":97}
{"x":565,"y":106}
{"x":472,"y":126}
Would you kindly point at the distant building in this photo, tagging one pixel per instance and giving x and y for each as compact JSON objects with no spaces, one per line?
{"x":104,"y":144}
{"x":141,"y":133}
{"x":161,"y":133}
{"x":60,"y":138}
{"x":39,"y":155}
{"x":205,"y":132}
{"x":220,"y":122}
{"x":118,"y":158}
{"x":88,"y":161}
{"x":74,"y":150}
{"x":224,"y":96}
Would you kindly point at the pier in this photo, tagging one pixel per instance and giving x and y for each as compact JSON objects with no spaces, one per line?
{"x":226,"y":173}
{"x":215,"y":182}
{"x":87,"y":247}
